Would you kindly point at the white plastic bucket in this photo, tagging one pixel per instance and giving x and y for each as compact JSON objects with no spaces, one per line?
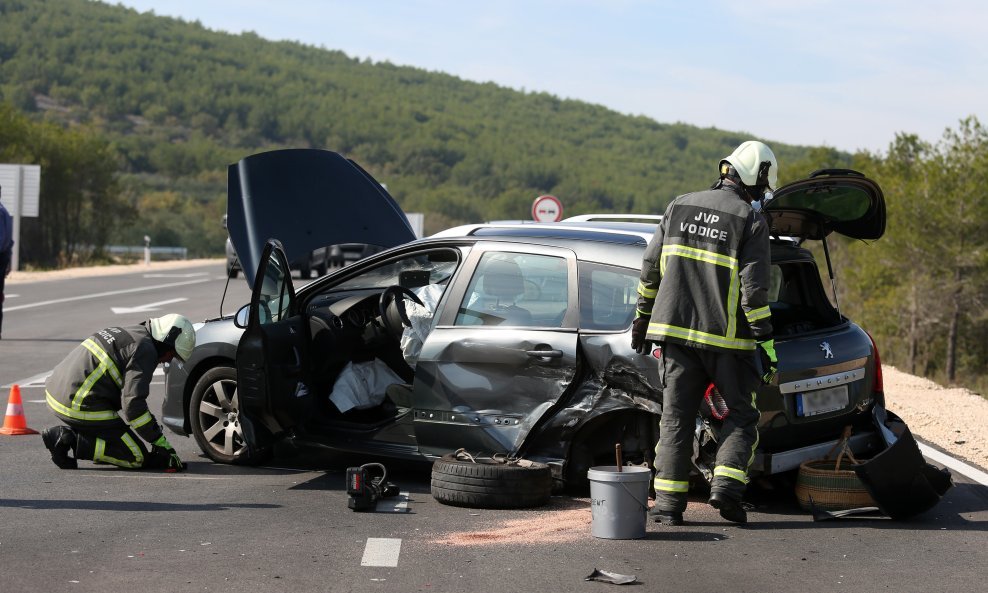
{"x":619,"y":501}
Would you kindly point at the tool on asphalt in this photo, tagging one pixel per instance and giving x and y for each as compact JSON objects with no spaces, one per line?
{"x":365,"y":490}
{"x":14,"y":422}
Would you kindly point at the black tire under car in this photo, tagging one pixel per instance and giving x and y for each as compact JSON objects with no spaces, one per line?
{"x":490,"y":484}
{"x":214,"y":409}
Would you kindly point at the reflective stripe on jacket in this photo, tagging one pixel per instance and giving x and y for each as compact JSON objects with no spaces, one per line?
{"x":109,"y":372}
{"x":705,"y":273}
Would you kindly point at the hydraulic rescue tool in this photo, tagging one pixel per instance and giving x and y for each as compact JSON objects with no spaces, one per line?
{"x":365,"y":490}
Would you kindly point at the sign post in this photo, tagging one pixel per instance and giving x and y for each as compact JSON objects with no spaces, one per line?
{"x":20,"y":194}
{"x":547,"y":209}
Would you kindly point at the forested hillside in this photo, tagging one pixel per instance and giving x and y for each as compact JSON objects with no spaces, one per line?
{"x":177,"y":103}
{"x":134,"y":118}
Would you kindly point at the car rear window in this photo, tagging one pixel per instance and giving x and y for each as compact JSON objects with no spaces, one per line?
{"x":608,"y":295}
{"x":797,"y":299}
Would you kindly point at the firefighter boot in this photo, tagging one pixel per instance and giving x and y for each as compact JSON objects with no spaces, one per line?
{"x":665,"y":517}
{"x":60,"y":440}
{"x":729,"y":508}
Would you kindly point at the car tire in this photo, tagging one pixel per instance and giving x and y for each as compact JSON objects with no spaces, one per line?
{"x":490,"y":484}
{"x":214,"y":412}
{"x":231,"y":272}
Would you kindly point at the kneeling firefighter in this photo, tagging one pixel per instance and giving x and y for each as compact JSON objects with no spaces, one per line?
{"x":99,"y":391}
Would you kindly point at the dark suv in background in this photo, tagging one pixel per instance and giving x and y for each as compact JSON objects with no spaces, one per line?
{"x":319,"y":260}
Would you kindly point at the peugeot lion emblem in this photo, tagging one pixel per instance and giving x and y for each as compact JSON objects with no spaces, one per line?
{"x":827,"y":352}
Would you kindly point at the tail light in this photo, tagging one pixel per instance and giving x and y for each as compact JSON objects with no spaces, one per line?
{"x":879,"y":387}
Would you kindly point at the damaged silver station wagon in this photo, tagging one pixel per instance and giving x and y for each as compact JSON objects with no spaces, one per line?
{"x":501,"y":339}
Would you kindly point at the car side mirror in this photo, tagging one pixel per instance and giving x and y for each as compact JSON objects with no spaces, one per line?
{"x":243,"y":314}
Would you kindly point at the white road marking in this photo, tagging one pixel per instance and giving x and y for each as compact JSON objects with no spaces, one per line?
{"x":955,"y":464}
{"x":100,"y":295}
{"x":147,"y":307}
{"x":381,"y":551}
{"x":35,"y":381}
{"x":398,"y":504}
{"x":189,"y":275}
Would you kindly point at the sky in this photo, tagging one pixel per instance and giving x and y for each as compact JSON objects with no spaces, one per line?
{"x":845,"y":74}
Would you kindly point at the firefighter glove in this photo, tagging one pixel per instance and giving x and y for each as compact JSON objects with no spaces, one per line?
{"x":639,"y":328}
{"x":174,"y":462}
{"x":770,"y":362}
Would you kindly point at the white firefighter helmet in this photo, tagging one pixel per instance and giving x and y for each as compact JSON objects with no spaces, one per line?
{"x":755,"y":164}
{"x":176,"y":331}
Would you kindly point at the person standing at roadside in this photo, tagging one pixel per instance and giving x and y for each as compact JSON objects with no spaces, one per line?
{"x":6,"y":250}
{"x":99,"y":392}
{"x":703,"y":296}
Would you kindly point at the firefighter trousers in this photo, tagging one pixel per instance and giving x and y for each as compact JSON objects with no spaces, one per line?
{"x":113,"y":443}
{"x":686,"y":373}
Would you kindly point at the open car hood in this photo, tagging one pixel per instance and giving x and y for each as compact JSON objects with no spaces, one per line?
{"x":830,"y":200}
{"x":307,"y":199}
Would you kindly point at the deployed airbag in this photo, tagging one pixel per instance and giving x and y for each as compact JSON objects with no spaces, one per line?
{"x":420,"y":317}
{"x":362,"y":385}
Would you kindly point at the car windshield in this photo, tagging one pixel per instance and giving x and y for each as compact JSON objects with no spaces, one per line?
{"x":433,"y":267}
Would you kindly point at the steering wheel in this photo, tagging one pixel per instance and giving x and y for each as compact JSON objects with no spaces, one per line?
{"x":392,"y":308}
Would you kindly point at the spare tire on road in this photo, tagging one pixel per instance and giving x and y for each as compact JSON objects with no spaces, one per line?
{"x":462,"y":481}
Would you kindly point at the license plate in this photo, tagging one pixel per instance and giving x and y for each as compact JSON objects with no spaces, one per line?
{"x":821,"y":401}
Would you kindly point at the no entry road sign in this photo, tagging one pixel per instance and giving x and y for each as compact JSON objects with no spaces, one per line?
{"x":547,"y":209}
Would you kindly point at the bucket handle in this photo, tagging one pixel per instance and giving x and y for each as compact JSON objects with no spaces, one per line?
{"x":644,"y":505}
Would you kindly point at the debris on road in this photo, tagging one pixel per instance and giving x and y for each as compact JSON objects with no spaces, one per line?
{"x":610,"y":577}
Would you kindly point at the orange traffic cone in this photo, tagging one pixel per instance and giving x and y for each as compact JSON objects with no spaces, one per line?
{"x":13,"y":422}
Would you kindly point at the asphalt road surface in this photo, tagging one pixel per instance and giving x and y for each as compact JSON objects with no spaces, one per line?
{"x":286,"y":527}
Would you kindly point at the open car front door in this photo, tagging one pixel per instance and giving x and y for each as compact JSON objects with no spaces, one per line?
{"x":270,"y":354}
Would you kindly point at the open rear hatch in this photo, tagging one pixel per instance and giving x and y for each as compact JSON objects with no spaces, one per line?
{"x":829,"y":200}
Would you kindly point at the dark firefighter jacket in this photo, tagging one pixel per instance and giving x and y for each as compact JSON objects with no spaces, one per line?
{"x":109,"y":372}
{"x":705,"y":273}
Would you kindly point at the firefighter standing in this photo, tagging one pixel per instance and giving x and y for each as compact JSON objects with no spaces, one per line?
{"x":100,"y":392}
{"x":703,"y":296}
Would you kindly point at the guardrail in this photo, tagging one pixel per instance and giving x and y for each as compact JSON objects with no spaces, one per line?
{"x":139,"y":251}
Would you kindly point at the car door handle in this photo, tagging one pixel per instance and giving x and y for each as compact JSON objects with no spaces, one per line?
{"x":545,"y":353}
